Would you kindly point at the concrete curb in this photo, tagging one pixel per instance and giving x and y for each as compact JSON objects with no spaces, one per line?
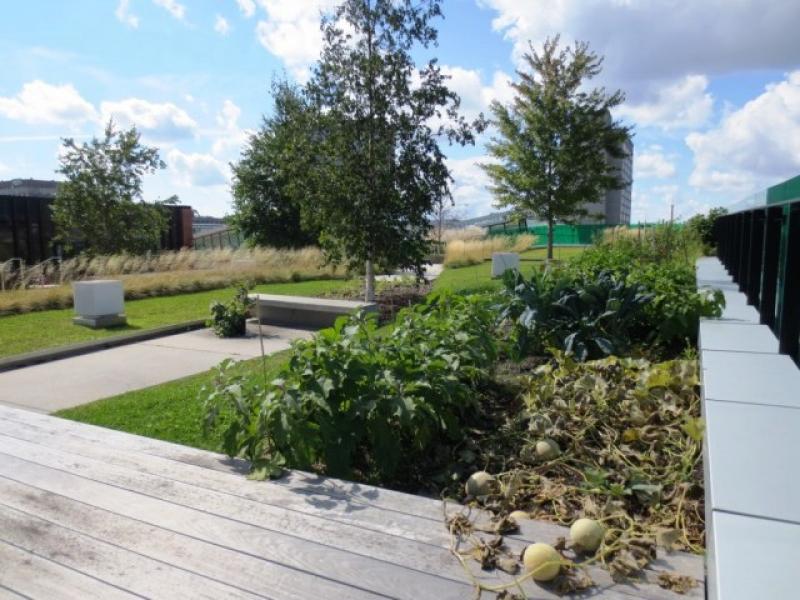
{"x":50,"y":354}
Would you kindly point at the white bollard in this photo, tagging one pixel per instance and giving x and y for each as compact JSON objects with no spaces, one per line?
{"x":503,"y":261}
{"x":99,"y":303}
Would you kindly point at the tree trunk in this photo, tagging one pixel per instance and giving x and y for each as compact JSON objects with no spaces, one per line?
{"x":369,"y":294}
{"x":550,"y":226}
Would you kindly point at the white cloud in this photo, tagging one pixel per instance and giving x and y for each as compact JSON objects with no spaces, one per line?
{"x":162,"y":122}
{"x":475,"y":95}
{"x":40,"y":102}
{"x":652,"y":164}
{"x":4,"y":168}
{"x":658,"y":203}
{"x":231,"y":136}
{"x":470,"y":191}
{"x":653,"y":45}
{"x":660,"y":40}
{"x":124,"y":15}
{"x":248,"y":7}
{"x":194,"y":169}
{"x":291,"y":31}
{"x":176,"y":9}
{"x":682,"y":103}
{"x":221,"y":25}
{"x":753,"y":146}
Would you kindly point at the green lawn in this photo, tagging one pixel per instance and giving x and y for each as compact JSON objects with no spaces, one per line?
{"x":50,"y":328}
{"x":171,"y":411}
{"x":477,"y":278}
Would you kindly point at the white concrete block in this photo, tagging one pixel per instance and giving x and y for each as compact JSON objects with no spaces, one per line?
{"x":503,"y":261}
{"x":752,"y":559}
{"x":752,"y":452}
{"x":98,"y":298}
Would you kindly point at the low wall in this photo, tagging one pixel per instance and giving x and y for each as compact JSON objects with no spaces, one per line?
{"x":751,"y":406}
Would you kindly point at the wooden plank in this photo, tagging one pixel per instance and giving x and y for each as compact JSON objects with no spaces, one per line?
{"x":241,"y":570}
{"x":300,"y":499}
{"x":341,"y":507}
{"x":428,"y":508}
{"x":108,"y":563}
{"x":360,"y":572}
{"x":424,"y":557}
{"x":27,"y":575}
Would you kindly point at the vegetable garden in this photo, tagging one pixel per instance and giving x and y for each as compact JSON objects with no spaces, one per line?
{"x":569,"y":396}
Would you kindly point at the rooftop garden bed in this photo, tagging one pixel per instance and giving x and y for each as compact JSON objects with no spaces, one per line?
{"x":572,"y":392}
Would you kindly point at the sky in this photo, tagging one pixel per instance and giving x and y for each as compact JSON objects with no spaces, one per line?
{"x":712,"y":86}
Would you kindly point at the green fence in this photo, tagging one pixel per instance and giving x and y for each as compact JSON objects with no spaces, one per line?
{"x":563,"y":235}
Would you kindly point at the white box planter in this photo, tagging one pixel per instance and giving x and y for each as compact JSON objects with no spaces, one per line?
{"x":99,"y":303}
{"x":503,"y":261}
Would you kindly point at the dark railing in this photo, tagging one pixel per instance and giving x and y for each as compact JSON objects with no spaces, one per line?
{"x":760,"y":248}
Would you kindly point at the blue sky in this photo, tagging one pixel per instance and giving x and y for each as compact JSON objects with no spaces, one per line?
{"x":713,"y":86}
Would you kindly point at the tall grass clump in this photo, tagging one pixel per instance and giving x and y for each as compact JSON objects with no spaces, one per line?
{"x":462,"y":253}
{"x":167,"y":273}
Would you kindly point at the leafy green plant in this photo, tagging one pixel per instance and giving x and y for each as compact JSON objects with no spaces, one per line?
{"x":356,"y":398}
{"x":229,"y":319}
{"x":665,"y":269}
{"x":585,"y":318}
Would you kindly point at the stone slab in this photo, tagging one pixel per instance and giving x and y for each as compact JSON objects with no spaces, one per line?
{"x":753,"y":559}
{"x":752,"y":453}
{"x":100,"y":321}
{"x":301,"y":311}
{"x":752,"y":378}
{"x":736,"y":337}
{"x":737,"y":309}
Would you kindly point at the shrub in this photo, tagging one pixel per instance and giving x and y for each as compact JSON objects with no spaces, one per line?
{"x":703,"y":225}
{"x":230,"y":319}
{"x":663,"y":265}
{"x":354,"y":398}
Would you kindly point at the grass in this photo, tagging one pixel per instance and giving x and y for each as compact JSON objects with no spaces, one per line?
{"x":477,"y":278}
{"x":50,"y":328}
{"x":170,"y":411}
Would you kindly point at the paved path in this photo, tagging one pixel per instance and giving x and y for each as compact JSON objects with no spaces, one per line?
{"x":87,"y":512}
{"x":80,"y":379}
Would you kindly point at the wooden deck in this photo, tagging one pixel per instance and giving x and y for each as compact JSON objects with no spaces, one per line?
{"x":87,"y":512}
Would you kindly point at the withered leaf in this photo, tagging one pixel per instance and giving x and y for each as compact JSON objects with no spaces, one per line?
{"x":680,"y":584}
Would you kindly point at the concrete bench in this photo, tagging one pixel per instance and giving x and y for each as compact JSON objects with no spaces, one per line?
{"x":302,"y":311}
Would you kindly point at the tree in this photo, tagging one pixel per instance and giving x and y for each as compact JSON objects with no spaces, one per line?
{"x":376,"y":170}
{"x":99,"y":207}
{"x":555,"y":139}
{"x":703,"y":225}
{"x":267,"y":200}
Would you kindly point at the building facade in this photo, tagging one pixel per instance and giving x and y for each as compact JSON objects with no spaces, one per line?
{"x":26,"y":225}
{"x":615,"y":207}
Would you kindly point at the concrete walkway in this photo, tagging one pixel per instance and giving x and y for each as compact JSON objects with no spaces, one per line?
{"x":80,"y":379}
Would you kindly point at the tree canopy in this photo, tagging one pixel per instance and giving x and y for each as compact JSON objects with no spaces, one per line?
{"x":555,"y":140}
{"x":99,"y":207}
{"x":267,"y":191}
{"x":375,"y":170}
